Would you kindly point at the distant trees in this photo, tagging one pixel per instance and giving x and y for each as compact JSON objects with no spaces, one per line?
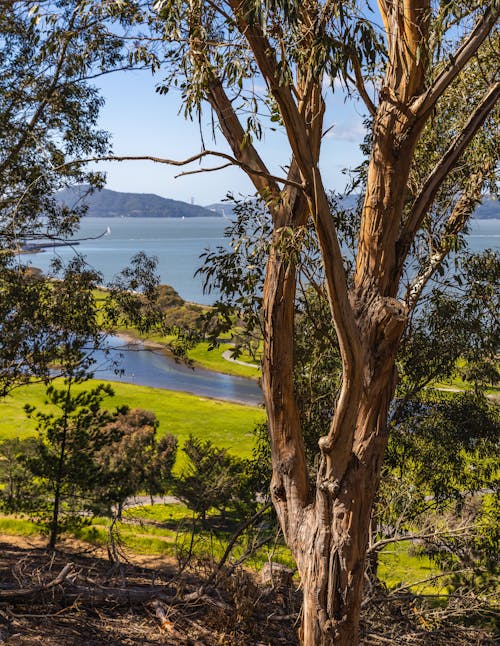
{"x":19,"y":492}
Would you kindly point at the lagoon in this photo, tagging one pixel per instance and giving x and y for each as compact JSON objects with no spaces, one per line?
{"x":178,"y":244}
{"x":151,"y":367}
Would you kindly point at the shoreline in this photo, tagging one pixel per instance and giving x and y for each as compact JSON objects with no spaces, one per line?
{"x":131,"y":339}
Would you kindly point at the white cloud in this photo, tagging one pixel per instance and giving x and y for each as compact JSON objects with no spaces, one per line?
{"x":352,"y":131}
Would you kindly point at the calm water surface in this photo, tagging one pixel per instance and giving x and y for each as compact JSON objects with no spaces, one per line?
{"x":178,"y":244}
{"x":152,"y":368}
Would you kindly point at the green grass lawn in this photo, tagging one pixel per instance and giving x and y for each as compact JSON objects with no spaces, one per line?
{"x":400,"y":564}
{"x":225,"y":424}
{"x":214,"y":360}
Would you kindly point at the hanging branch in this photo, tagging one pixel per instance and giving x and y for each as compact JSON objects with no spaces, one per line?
{"x":428,"y":192}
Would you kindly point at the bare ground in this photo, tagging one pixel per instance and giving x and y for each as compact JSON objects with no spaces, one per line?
{"x":237,"y":612}
{"x":146,"y":601}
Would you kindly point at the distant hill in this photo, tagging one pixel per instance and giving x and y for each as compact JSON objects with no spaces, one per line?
{"x":488,"y":210}
{"x":114,"y":204}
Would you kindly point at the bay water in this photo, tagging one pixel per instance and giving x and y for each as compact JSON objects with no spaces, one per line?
{"x":109,"y":243}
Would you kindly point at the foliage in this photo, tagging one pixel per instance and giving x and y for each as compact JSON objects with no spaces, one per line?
{"x":19,"y":492}
{"x":456,"y":325}
{"x":49,"y":111}
{"x":63,"y":460}
{"x":48,"y":328}
{"x":132,"y":461}
{"x":459,"y":433}
{"x":212,"y":478}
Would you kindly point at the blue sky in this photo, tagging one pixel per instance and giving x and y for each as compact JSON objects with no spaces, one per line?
{"x":144,"y":123}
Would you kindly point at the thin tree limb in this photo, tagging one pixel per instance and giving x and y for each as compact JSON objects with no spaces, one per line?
{"x":184,"y":162}
{"x":376,"y":547}
{"x":248,"y":523}
{"x":428,"y":192}
{"x":426,"y":102}
{"x":459,"y":216}
{"x":360,"y":85}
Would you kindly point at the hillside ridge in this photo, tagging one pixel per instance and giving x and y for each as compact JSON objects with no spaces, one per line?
{"x":109,"y":203}
{"x":117,"y":204}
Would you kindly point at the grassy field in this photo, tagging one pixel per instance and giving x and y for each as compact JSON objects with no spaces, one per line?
{"x":399,"y":565}
{"x":225,"y":424}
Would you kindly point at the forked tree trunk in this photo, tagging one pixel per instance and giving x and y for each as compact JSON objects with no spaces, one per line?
{"x":328,"y":530}
{"x":332,"y":557}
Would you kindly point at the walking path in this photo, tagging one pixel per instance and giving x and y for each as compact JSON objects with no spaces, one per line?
{"x":227,"y":356}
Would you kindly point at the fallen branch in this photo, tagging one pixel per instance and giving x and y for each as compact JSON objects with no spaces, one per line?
{"x":26,"y":593}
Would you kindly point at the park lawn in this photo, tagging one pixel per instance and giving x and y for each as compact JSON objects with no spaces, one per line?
{"x":225,"y":424}
{"x":214,"y":360}
{"x":400,"y":565}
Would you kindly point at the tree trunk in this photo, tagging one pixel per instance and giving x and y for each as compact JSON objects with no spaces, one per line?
{"x":334,"y":536}
{"x":54,"y":523}
{"x":328,"y":529}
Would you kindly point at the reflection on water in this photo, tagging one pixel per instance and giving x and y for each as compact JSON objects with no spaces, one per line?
{"x":147,"y":367}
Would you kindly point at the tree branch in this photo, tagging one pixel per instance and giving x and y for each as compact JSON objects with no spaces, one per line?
{"x":265,"y":58}
{"x":248,"y":523}
{"x":428,"y":192}
{"x":26,"y":593}
{"x":245,"y":154}
{"x":183,"y":162}
{"x":423,"y":104}
{"x":360,"y":85}
{"x":376,"y":547}
{"x":466,"y":204}
{"x":48,"y":95}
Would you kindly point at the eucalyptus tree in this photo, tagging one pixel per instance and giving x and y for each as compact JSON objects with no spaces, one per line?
{"x":415,"y":65}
